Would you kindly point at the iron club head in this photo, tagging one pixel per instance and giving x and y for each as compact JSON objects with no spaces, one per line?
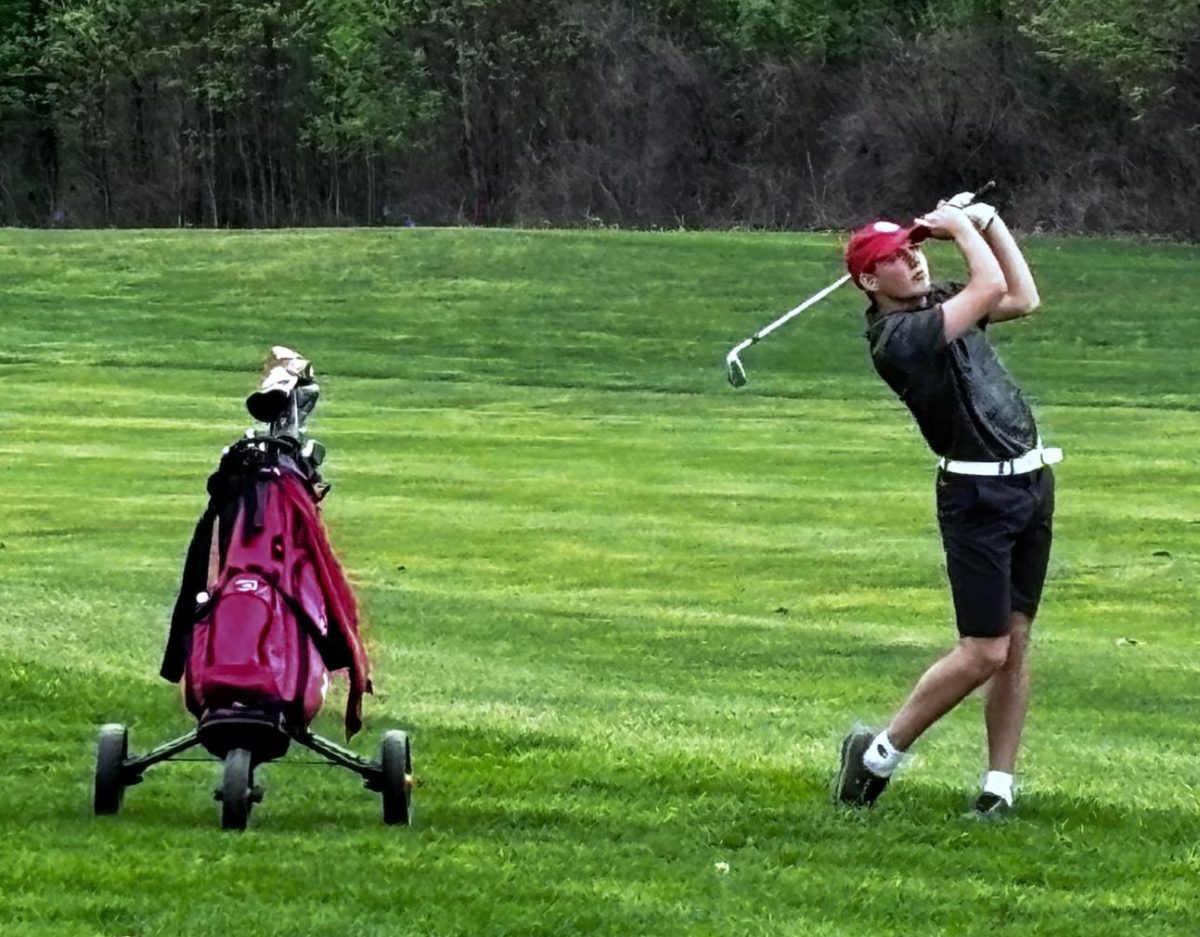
{"x":734,"y":370}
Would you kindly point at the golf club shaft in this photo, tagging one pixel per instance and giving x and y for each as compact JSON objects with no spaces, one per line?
{"x":815,"y":298}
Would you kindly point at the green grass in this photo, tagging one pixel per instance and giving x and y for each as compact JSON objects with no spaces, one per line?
{"x":626,"y":612}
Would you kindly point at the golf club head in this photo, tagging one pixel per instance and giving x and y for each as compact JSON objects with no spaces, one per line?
{"x":283,"y":371}
{"x":734,"y":371}
{"x":297,"y":408}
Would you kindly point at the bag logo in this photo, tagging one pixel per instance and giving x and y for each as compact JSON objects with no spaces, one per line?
{"x":245,"y":585}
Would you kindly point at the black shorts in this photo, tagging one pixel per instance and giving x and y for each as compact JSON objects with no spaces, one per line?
{"x":996,"y":533}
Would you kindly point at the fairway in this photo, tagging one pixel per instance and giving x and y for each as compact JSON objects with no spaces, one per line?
{"x":626,"y":612}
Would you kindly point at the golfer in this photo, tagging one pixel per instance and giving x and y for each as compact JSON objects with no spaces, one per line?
{"x":995,"y":491}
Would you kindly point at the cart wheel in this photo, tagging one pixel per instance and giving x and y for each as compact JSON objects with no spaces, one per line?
{"x":236,"y":790}
{"x":111,"y":753}
{"x":395,"y":759}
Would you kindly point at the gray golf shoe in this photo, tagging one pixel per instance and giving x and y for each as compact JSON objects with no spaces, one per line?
{"x":857,"y":786}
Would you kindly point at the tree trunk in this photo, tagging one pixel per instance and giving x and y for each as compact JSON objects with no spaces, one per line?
{"x":212,"y":167}
{"x":177,"y":138}
{"x":248,"y":171}
{"x":370,"y":218}
{"x":465,"y":102}
{"x":337,"y":189}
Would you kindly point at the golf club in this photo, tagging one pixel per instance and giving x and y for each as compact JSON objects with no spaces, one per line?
{"x":734,"y":369}
{"x":733,"y":365}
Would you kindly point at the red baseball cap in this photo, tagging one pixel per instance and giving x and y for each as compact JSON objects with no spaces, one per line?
{"x":877,"y":241}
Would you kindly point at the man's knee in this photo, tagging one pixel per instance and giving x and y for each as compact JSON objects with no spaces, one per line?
{"x":987,"y":655}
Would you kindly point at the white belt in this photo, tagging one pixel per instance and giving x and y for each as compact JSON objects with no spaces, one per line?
{"x":1031,"y":461}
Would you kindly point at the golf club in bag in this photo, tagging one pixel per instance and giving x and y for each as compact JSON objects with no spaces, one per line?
{"x":264,"y":615}
{"x":736,"y":372}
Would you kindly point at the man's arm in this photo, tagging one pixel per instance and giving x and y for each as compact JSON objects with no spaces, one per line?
{"x":986,"y":286}
{"x":1022,"y":296}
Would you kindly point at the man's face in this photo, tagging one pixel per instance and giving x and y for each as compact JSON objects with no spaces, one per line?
{"x":903,"y":275}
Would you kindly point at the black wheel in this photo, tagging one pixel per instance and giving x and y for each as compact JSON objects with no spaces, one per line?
{"x":236,"y":790}
{"x":395,"y":759}
{"x":111,"y":753}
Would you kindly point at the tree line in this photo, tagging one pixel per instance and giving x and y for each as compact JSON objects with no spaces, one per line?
{"x":765,"y":113}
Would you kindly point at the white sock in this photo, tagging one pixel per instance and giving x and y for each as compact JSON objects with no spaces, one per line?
{"x":881,"y":756}
{"x":999,"y":783}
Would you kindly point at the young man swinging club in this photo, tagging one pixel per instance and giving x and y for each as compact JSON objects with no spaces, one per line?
{"x":995,"y":493}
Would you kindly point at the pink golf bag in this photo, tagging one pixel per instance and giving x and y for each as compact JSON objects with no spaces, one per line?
{"x":263,"y":618}
{"x":275,"y":614}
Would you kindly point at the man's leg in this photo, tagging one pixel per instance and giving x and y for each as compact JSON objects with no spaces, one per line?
{"x":1008,"y":699}
{"x":867,"y":760}
{"x":975,"y":517}
{"x":1004,"y":716}
{"x":945,"y":684}
{"x":1008,"y":693}
{"x":1008,"y":696}
{"x":977,"y":539}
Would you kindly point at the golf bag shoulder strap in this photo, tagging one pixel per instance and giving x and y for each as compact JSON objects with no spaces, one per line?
{"x":184,"y":615}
